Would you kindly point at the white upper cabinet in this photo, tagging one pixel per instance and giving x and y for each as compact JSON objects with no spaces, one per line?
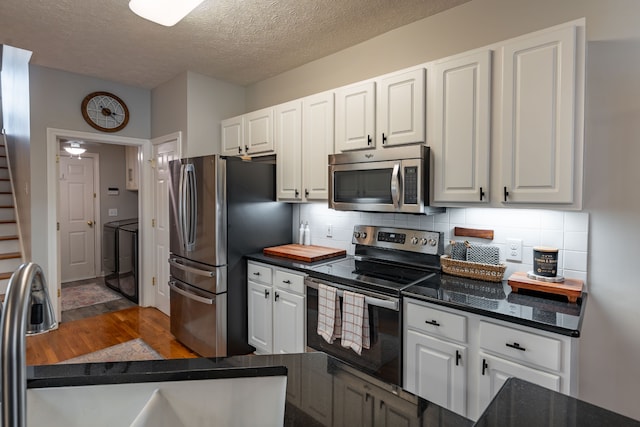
{"x":258,"y":131}
{"x":385,"y":112}
{"x":401,"y":108}
{"x":304,"y":139}
{"x":288,"y":128}
{"x":542,"y":119}
{"x":232,"y":139}
{"x":355,"y":117}
{"x":317,"y":144}
{"x":250,"y":134}
{"x":459,"y":127}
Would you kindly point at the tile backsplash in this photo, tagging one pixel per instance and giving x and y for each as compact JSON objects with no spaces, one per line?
{"x":567,"y":231}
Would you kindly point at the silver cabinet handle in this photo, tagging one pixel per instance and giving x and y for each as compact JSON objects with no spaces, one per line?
{"x":189,"y":295}
{"x":174,"y":262}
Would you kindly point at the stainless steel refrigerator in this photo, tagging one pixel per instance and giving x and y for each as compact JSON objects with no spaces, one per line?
{"x":221,"y":208}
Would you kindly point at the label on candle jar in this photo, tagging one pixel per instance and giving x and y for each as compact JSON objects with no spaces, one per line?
{"x":545,"y":261}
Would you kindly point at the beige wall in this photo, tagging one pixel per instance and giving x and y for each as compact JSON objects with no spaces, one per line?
{"x":610,"y":343}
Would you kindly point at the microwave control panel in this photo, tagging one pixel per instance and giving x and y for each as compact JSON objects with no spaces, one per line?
{"x":411,"y":185}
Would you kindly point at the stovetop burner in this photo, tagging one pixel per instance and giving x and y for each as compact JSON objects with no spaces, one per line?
{"x":387,"y":259}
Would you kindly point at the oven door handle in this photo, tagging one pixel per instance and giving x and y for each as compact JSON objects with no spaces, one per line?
{"x":391,"y":304}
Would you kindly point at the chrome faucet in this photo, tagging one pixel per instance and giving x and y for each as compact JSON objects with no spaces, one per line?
{"x":27,"y":310}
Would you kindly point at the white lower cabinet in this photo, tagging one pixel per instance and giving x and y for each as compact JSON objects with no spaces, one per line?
{"x":276,"y":308}
{"x":460,"y":360}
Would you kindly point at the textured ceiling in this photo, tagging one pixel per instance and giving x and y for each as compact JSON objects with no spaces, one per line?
{"x":239,"y":41}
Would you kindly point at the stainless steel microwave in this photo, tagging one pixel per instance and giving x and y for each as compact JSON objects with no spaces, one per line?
{"x":392,"y":179}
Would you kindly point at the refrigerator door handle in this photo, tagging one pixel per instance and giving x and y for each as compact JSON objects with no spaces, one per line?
{"x":187,"y":294}
{"x":190,"y":205}
{"x":174,"y":262}
{"x":181,"y":208}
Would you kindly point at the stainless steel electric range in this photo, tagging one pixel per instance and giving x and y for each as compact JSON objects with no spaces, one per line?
{"x":386,"y":261}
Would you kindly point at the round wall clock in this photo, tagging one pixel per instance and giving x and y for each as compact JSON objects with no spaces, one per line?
{"x":105,"y":111}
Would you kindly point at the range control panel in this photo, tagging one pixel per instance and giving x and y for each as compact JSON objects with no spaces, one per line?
{"x":426,"y":242}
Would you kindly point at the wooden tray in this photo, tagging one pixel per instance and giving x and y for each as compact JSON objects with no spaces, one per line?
{"x":306,"y":253}
{"x":571,"y":288}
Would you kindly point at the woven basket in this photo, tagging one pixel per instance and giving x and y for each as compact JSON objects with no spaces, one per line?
{"x":472,"y":270}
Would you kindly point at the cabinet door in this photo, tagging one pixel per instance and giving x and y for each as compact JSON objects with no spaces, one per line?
{"x":436,"y":370}
{"x":401,"y":108}
{"x":232,"y":132}
{"x":352,"y":402}
{"x":391,"y":410}
{"x":355,"y":117}
{"x":288,"y":130}
{"x":260,"y":317}
{"x":288,"y":322}
{"x":538,"y":118}
{"x":131,"y":163}
{"x":495,"y":371}
{"x":258,"y":132}
{"x":317,"y":144}
{"x":459,"y":128}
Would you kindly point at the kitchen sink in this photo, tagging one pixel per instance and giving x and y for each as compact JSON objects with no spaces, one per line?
{"x":190,"y":403}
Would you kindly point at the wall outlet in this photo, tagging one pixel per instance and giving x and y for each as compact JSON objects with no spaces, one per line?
{"x":514,"y":250}
{"x":113,"y":212}
{"x":329,"y":230}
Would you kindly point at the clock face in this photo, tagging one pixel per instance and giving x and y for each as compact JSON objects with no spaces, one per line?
{"x":105,"y":111}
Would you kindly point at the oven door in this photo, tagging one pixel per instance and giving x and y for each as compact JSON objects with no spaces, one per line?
{"x":384,"y":357}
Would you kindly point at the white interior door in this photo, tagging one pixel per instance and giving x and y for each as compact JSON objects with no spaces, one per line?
{"x":164,"y":150}
{"x":77,"y":219}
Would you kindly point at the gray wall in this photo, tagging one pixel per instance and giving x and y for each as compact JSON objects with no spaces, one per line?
{"x":55,"y":103}
{"x":16,"y":123}
{"x":195,"y":104}
{"x":609,"y":346}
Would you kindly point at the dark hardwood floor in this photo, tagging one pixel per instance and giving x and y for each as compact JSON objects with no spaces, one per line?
{"x":89,"y":334}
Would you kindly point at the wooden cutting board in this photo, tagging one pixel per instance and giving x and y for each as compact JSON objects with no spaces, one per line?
{"x":306,"y":253}
{"x":571,"y":288}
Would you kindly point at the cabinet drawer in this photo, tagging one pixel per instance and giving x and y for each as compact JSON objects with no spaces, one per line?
{"x":289,"y":281}
{"x":521,"y":346}
{"x":259,"y":273}
{"x":436,"y":322}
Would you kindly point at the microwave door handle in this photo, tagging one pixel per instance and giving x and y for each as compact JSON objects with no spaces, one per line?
{"x":395,"y":185}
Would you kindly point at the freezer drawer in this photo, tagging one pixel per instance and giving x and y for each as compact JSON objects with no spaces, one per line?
{"x":206,"y":277}
{"x":199,"y":319}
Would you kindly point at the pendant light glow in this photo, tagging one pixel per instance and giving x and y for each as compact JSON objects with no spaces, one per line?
{"x":163,"y":12}
{"x":74,"y":149}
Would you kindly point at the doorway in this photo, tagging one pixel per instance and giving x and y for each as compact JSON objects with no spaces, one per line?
{"x":98,"y":229}
{"x":53,"y":267}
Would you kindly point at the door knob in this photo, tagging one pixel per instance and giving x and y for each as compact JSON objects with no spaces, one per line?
{"x":90,"y":223}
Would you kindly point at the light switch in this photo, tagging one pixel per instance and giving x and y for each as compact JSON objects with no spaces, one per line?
{"x":113,"y":212}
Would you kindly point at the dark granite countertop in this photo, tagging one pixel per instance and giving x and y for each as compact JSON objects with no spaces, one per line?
{"x":318,"y":386}
{"x":523,"y":404}
{"x":495,"y":300}
{"x":322,"y":390}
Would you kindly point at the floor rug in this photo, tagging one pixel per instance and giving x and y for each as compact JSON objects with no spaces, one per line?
{"x":84,"y":295}
{"x":127,"y":351}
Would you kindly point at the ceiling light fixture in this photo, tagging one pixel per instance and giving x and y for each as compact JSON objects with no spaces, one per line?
{"x":74,"y":149}
{"x":163,"y":12}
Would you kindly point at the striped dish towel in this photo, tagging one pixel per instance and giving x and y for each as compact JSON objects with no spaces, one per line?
{"x":329,"y":316}
{"x":355,"y":327}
